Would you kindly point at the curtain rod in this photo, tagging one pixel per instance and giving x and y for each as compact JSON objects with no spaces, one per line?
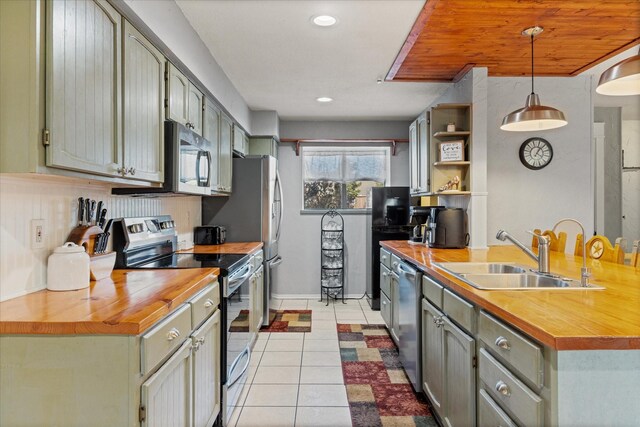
{"x":393,"y":142}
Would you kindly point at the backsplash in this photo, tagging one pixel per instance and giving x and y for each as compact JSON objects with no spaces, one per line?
{"x":23,"y":198}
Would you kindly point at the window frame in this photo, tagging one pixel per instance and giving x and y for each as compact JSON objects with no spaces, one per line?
{"x":345,"y":147}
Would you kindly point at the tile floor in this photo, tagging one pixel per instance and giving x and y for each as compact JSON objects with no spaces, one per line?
{"x":295,"y":378}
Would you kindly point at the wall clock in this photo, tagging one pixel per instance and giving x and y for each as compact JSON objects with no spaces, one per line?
{"x":536,"y":153}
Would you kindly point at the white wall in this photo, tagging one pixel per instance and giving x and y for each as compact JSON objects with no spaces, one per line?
{"x":631,"y":181}
{"x":26,"y":197}
{"x":170,"y":25}
{"x":521,"y":199}
{"x":299,"y":273}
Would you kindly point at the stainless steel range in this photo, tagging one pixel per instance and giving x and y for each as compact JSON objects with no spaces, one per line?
{"x":151,"y":242}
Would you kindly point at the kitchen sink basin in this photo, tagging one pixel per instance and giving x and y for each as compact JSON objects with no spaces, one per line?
{"x":504,"y":276}
{"x":481,"y":268}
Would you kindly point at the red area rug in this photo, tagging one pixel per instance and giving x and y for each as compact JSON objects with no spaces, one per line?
{"x":289,"y":321}
{"x":378,"y":390}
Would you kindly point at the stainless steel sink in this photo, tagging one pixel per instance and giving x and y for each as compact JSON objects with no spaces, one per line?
{"x":481,"y":268}
{"x":503,"y":276}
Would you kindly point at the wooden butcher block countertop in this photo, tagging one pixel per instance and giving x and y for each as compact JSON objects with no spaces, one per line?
{"x":564,"y":319}
{"x":225,"y":248}
{"x":127,"y":303}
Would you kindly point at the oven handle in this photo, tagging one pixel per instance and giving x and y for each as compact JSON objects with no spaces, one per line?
{"x":239,"y":279}
{"x":246,"y":351}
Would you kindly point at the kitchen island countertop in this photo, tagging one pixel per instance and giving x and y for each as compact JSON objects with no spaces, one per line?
{"x":127,"y":303}
{"x":225,"y":248}
{"x":563,"y":319}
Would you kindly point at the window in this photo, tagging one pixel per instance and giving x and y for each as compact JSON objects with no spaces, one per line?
{"x":340,"y":177}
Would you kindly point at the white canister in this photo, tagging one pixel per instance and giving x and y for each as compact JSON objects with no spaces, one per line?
{"x":68,"y":268}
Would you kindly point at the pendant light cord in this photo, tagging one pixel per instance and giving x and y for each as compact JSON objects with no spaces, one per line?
{"x":532,"y":91}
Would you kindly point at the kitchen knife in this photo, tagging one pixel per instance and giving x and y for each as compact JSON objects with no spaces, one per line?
{"x":105,"y":240}
{"x":80,"y":211}
{"x":98,"y":212}
{"x":102,"y":217}
{"x":92,"y":210}
{"x":87,"y":207}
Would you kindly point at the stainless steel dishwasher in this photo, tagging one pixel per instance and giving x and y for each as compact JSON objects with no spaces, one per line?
{"x":409,"y":280}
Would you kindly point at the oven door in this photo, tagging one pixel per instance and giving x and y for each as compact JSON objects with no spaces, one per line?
{"x":193,"y":166}
{"x":238,"y":334}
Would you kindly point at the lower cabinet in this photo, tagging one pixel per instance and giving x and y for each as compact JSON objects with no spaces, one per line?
{"x":206,"y":372}
{"x":257,"y":299}
{"x":448,"y":368}
{"x":395,"y":307}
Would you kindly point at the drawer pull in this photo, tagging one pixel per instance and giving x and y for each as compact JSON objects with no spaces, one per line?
{"x":208,"y":303}
{"x":503,"y":388}
{"x":503,"y":343}
{"x":438,"y":321}
{"x":173,"y":334}
{"x":385,"y":274}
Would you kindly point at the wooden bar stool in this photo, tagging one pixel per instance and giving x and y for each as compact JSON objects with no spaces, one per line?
{"x":599,"y":247}
{"x":557,"y":243}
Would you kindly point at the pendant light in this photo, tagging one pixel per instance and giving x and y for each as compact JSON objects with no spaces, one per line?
{"x":533,"y":116}
{"x":621,"y":79}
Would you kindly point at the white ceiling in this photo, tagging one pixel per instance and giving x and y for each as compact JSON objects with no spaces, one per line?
{"x":278,"y":60}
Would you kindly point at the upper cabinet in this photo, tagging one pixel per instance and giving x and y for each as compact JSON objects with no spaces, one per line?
{"x":240,"y":141}
{"x":226,"y":153}
{"x":263,"y":145}
{"x":84,"y":87}
{"x":211,"y":132}
{"x":185,"y":102}
{"x":419,"y":155}
{"x":143,"y":82}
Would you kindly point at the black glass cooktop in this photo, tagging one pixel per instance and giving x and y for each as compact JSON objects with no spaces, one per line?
{"x":228,"y":262}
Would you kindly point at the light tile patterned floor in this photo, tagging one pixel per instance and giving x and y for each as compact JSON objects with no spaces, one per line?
{"x":295,"y":379}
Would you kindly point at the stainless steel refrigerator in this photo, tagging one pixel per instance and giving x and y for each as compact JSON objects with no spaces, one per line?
{"x":253,"y":212}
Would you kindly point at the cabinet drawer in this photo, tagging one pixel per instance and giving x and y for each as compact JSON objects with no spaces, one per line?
{"x":459,"y":310}
{"x":432,"y":291}
{"x":395,"y":261}
{"x":512,"y":393}
{"x":385,"y":280}
{"x":385,"y":309}
{"x":204,"y":303}
{"x":490,"y":414}
{"x":165,"y":337}
{"x":385,"y":258}
{"x":522,"y":354}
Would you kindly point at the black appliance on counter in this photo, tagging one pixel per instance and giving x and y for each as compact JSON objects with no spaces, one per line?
{"x":447,"y":228}
{"x":389,"y":220}
{"x":150,"y":243}
{"x":209,"y":235}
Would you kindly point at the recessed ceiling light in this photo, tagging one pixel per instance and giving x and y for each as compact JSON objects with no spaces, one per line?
{"x":324,"y":20}
{"x":324,"y":99}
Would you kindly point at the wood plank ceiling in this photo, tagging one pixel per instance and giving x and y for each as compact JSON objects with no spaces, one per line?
{"x":451,"y":36}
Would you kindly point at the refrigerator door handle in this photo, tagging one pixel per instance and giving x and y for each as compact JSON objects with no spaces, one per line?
{"x":277,"y":261}
{"x":278,"y":183}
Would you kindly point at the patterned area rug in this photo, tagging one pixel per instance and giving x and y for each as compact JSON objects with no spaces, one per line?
{"x":289,"y":321}
{"x":378,"y":389}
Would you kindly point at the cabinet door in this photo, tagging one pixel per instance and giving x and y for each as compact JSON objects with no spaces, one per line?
{"x":206,"y":372}
{"x":211,"y":132}
{"x":424,"y":167}
{"x":257,"y":292}
{"x":166,"y":395}
{"x":226,"y":133}
{"x":395,"y":308}
{"x":238,"y":140}
{"x":414,"y":181}
{"x":83,"y":86}
{"x":178,"y":94}
{"x":432,"y":355}
{"x":460,"y":377}
{"x":196,"y":99}
{"x":143,"y":82}
{"x":385,"y":309}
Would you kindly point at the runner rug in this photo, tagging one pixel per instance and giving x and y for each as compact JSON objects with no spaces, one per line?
{"x":378,"y":390}
{"x":289,"y":321}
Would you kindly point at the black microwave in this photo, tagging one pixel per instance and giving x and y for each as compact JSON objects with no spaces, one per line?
{"x":209,"y":235}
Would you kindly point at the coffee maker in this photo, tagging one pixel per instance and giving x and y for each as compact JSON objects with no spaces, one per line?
{"x":447,"y":228}
{"x":418,"y":216}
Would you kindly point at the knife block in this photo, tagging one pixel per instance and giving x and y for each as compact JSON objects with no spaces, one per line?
{"x":101,"y":265}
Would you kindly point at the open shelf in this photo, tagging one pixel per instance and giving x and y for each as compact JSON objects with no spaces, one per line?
{"x":442,"y":134}
{"x":459,"y":163}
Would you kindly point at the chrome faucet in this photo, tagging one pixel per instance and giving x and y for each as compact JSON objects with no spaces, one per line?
{"x":543,"y":249}
{"x":585,"y":272}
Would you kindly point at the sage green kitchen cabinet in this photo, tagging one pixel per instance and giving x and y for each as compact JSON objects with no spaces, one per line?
{"x":263,"y":146}
{"x":257,"y":289}
{"x":207,"y":396}
{"x":185,"y":102}
{"x":143,"y":82}
{"x":459,"y":376}
{"x":395,"y":307}
{"x":414,"y":180}
{"x":226,"y":156}
{"x":84,"y":86}
{"x":211,"y":132}
{"x":432,"y":355}
{"x":419,"y":155}
{"x":240,"y":143}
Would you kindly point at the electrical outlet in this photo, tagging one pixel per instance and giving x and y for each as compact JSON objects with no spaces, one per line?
{"x":37,"y":234}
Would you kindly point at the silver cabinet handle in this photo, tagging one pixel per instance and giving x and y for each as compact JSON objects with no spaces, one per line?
{"x":122,"y":171}
{"x":503,"y":343}
{"x":503,"y":388}
{"x":200,"y":341}
{"x":173,"y":334}
{"x":132,"y":171}
{"x":385,"y":274}
{"x":395,"y":264}
{"x":208,"y":303}
{"x":438,"y":321}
